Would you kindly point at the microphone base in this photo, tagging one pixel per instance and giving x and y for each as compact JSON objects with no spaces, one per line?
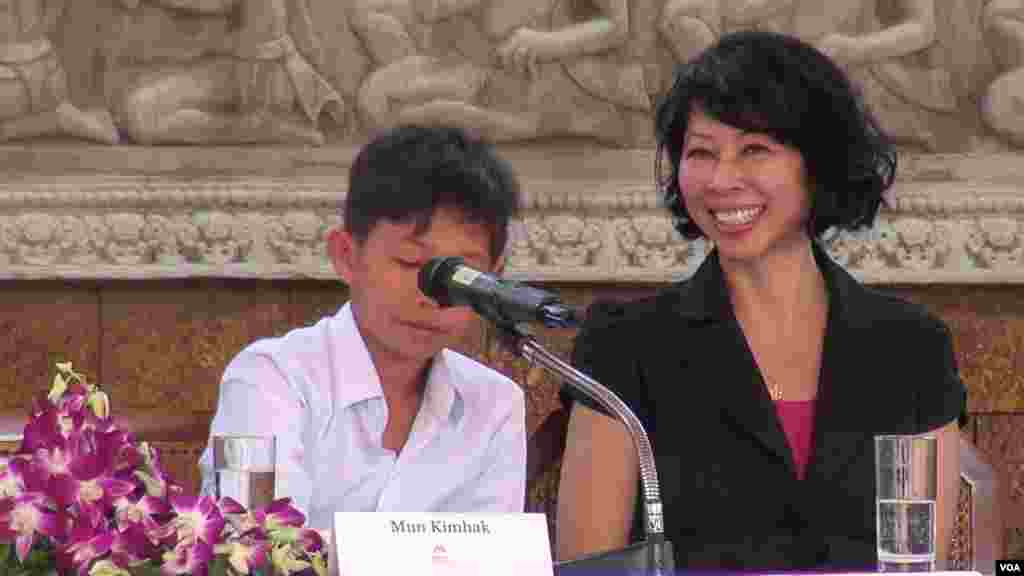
{"x":639,"y":559}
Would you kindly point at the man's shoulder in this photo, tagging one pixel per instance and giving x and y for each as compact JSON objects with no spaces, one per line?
{"x":303,"y":339}
{"x":290,"y":353}
{"x":479,"y":381}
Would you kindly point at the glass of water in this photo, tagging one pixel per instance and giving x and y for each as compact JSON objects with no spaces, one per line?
{"x":245,"y":469}
{"x":906,"y":475}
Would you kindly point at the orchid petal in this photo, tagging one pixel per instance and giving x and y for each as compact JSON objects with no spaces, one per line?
{"x":319,"y":565}
{"x":83,"y":552}
{"x":23,"y":544}
{"x":131,"y":545}
{"x":60,"y":385}
{"x":100,"y":404}
{"x":244,"y":555}
{"x":108,"y":568}
{"x":311,"y":540}
{"x":286,"y":561}
{"x":229,"y":505}
{"x":187,"y":558}
{"x":114,"y":488}
{"x":280,"y":513}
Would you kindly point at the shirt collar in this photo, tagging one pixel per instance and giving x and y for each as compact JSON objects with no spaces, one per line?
{"x":357,"y":379}
{"x":704,"y":295}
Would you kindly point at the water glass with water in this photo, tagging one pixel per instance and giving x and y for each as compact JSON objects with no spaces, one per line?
{"x":906,"y":475}
{"x":245,"y":469}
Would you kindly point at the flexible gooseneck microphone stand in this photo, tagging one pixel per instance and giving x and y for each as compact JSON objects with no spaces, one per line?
{"x":654,"y":555}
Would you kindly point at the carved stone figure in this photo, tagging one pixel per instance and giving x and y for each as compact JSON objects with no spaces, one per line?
{"x":33,"y":86}
{"x":37,"y":239}
{"x":690,"y":26}
{"x":258,"y":88}
{"x":171,"y":237}
{"x":651,"y":242}
{"x":915,"y":243}
{"x":508,"y":70}
{"x":1003,"y":104}
{"x":124,"y":240}
{"x":903,"y":59}
{"x":996,"y":243}
{"x":80,"y":238}
{"x":222,"y":238}
{"x":297,"y":238}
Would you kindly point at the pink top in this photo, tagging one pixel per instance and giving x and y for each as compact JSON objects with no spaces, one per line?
{"x":797,"y":419}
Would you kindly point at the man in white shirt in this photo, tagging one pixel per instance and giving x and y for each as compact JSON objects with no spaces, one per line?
{"x":370,"y":408}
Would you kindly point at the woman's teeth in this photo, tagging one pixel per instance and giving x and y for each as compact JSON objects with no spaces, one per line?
{"x":738,"y":216}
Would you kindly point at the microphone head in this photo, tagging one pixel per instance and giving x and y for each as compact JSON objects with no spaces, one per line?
{"x":434,"y":275}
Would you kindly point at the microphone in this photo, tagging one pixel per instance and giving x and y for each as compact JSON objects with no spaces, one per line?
{"x":450,"y":282}
{"x":652,"y":556}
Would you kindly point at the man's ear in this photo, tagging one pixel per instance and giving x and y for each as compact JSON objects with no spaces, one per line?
{"x":341,"y":249}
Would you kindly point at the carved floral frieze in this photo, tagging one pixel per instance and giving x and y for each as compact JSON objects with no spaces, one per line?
{"x":941,"y":230}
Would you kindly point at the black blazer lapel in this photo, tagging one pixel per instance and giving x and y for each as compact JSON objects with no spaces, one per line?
{"x":745,"y":399}
{"x":719,"y":356}
{"x":840,"y":408}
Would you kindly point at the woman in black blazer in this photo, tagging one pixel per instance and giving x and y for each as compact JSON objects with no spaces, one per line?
{"x":763,"y":379}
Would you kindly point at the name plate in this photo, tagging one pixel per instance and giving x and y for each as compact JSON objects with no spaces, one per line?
{"x":436,"y":544}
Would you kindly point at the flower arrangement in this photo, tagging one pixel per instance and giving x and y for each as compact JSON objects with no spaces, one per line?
{"x":81,"y":496}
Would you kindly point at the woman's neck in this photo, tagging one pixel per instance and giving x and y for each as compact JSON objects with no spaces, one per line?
{"x":782,"y":286}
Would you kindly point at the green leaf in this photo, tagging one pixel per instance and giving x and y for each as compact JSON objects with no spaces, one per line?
{"x":218,"y":566}
{"x":147,"y":569}
{"x":39,"y":560}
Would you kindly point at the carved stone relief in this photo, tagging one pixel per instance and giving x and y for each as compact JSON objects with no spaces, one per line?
{"x":1003,"y":104}
{"x":943,"y":75}
{"x":251,"y":85}
{"x":34,"y":97}
{"x":949,"y":219}
{"x":996,"y":243}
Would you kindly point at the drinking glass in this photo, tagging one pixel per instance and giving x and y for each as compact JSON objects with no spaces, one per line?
{"x":245,"y":469}
{"x":905,"y":479}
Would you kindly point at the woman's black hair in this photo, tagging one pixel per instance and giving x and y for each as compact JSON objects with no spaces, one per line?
{"x":778,"y":85}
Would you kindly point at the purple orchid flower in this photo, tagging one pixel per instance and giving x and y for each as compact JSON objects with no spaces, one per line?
{"x":311,"y":540}
{"x":119,"y":452}
{"x":279,"y":514}
{"x":188,"y":557}
{"x":85,"y":544}
{"x":12,"y":479}
{"x":89,"y":487}
{"x":229,"y":505}
{"x":287,"y":560}
{"x":139,"y":510}
{"x":131,"y":546}
{"x":108,"y":506}
{"x":153,"y":476}
{"x":25,"y":517}
{"x":47,"y":430}
{"x":241,"y":520}
{"x":50,"y":462}
{"x":245,"y":554}
{"x":195,"y":518}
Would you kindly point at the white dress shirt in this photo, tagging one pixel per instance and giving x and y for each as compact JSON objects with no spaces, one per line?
{"x":317,"y":391}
